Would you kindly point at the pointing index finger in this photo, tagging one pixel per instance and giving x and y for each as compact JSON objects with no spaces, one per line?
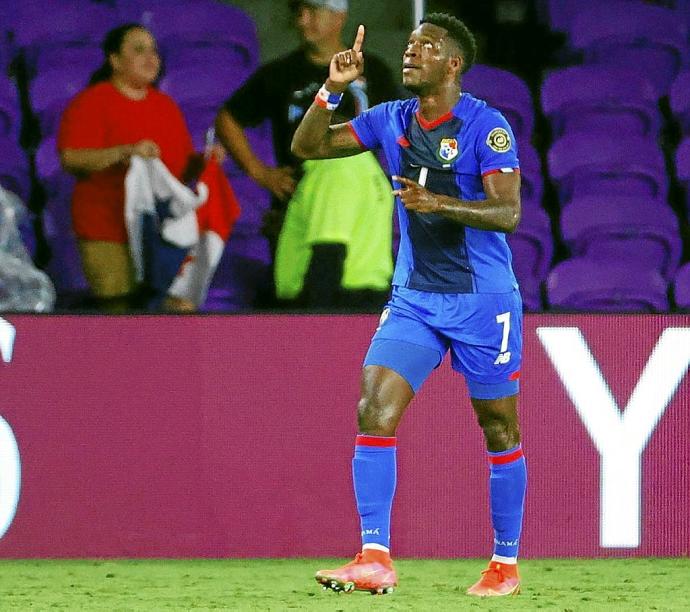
{"x":359,"y":39}
{"x":405,"y":181}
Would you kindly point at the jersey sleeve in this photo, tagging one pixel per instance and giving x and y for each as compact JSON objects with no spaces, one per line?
{"x":82,"y":125}
{"x":368,"y":126}
{"x":495,"y":146}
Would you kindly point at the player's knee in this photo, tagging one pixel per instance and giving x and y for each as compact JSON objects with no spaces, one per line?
{"x":500,"y":434}
{"x":374,"y":418}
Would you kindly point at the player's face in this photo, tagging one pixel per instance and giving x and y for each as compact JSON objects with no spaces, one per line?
{"x":425,"y":58}
{"x":317,"y":25}
{"x":137,"y":62}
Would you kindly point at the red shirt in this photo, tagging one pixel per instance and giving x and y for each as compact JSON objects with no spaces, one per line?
{"x":101,"y":117}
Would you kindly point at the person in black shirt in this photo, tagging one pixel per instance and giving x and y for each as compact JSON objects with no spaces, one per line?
{"x":282,"y":91}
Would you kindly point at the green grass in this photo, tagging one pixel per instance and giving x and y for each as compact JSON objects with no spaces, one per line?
{"x":288,"y":584}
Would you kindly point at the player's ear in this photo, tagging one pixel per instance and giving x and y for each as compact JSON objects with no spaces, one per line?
{"x":455,"y":64}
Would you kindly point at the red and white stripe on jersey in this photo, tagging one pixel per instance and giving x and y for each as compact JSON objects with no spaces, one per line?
{"x":501,"y":171}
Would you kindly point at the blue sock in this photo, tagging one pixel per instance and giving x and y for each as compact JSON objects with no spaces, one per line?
{"x":507,"y":485}
{"x":374,"y":477}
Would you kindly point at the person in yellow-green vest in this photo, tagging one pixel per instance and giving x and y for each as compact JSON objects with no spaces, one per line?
{"x":330,"y":227}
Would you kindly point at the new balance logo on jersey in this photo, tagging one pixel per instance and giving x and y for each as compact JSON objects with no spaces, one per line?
{"x":371,"y":532}
{"x":502,"y":358}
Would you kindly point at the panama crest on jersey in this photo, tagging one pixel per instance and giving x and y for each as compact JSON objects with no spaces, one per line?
{"x":448,"y":149}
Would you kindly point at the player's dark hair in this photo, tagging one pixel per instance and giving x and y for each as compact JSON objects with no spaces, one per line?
{"x":112,"y":43}
{"x":459,"y":32}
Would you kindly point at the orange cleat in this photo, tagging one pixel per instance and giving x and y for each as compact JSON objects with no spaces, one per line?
{"x":497,"y":580}
{"x":371,"y":570}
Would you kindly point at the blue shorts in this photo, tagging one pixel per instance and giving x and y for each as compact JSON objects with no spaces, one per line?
{"x":483,"y":332}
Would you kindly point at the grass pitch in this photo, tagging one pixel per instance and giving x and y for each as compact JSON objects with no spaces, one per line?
{"x":288,"y":584}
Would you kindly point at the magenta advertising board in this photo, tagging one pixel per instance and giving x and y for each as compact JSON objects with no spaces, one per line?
{"x":232,"y":436}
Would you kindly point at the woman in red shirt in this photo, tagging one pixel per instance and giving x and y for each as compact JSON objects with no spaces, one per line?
{"x":118,"y":115}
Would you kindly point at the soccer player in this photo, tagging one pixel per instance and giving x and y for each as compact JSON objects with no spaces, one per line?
{"x":457,"y":187}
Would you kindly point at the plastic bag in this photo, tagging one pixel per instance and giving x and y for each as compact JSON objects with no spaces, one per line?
{"x":23,"y":287}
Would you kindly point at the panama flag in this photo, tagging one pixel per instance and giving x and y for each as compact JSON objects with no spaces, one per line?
{"x":216,"y":219}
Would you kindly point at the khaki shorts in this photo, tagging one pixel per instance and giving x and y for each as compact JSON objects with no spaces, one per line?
{"x":108,"y":268}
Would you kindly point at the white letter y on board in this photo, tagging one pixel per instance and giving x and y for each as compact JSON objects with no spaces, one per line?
{"x":620,"y":437}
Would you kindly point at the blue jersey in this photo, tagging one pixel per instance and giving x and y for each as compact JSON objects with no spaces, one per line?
{"x":448,"y":156}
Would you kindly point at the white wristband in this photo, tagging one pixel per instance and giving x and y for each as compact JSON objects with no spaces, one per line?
{"x":328,"y":100}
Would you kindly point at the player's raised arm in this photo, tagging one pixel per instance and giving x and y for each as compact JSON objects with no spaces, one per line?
{"x":315,"y":138}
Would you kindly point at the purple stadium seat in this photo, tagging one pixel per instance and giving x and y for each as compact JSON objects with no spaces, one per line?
{"x":605,"y":286}
{"x":683,"y":162}
{"x":10,"y":116}
{"x":505,"y":91}
{"x":261,"y":139}
{"x":54,"y":179}
{"x":201,"y":23}
{"x":193,"y":88}
{"x":8,"y":17}
{"x":559,"y":14}
{"x":532,"y":247}
{"x":7,"y":49}
{"x":84,"y":56}
{"x":55,"y":21}
{"x":531,"y":174}
{"x":679,"y":99}
{"x":683,"y":169}
{"x":226,"y":59}
{"x":584,"y":164}
{"x":50,"y":24}
{"x":51,"y":91}
{"x":242,"y":267}
{"x":64,"y":267}
{"x":14,"y":168}
{"x":651,"y":38}
{"x":600,"y":99}
{"x":682,"y":10}
{"x":681,"y":288}
{"x":254,"y":201}
{"x":618,"y":228}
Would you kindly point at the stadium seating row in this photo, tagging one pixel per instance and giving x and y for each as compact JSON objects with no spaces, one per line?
{"x":609,"y":172}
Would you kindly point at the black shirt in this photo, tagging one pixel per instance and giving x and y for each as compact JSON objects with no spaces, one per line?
{"x":283,"y":90}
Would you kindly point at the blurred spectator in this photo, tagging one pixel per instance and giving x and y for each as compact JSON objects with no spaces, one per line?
{"x":23,"y":288}
{"x":334,"y":248}
{"x":119,"y":115}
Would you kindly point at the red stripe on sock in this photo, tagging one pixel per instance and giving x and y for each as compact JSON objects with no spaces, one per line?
{"x":375,"y":441}
{"x":501,"y":459}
